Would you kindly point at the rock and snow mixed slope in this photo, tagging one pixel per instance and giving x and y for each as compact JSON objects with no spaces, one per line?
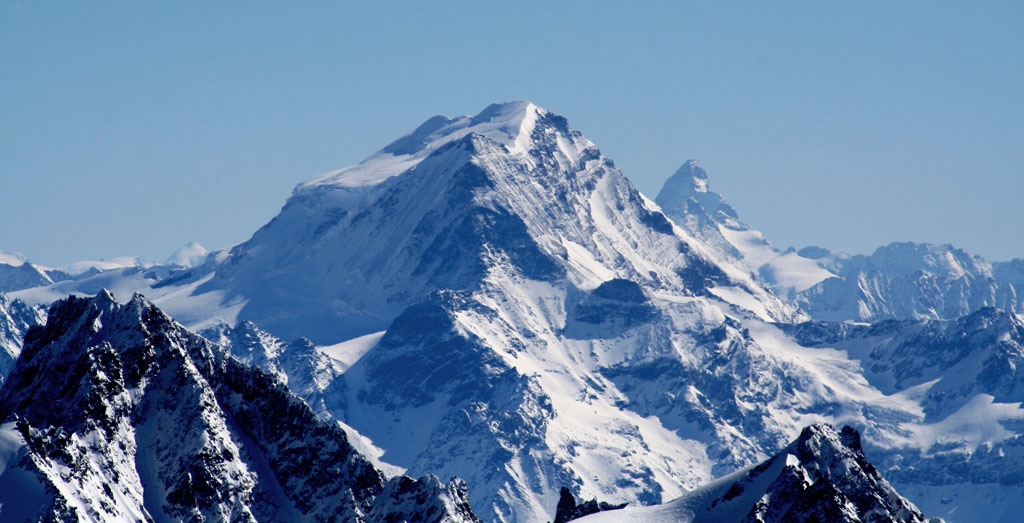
{"x":298,"y":364}
{"x":822,"y":476}
{"x":965,"y":449}
{"x":116,"y":412}
{"x":16,"y":318}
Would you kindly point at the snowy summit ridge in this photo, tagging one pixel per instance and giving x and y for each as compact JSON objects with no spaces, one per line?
{"x":509,"y":124}
{"x":446,"y":205}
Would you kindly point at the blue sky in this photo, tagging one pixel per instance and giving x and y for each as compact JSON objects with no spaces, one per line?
{"x":133,"y":128}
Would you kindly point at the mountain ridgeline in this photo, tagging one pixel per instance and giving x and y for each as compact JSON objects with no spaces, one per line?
{"x":490,"y":298}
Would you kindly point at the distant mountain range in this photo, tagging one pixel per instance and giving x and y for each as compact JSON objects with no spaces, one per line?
{"x":489,"y":298}
{"x":898,"y":281}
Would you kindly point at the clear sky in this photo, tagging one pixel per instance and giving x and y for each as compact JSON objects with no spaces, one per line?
{"x":133,"y":128}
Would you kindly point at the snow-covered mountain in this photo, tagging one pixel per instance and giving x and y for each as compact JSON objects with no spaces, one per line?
{"x":913,"y":280}
{"x":16,"y":273}
{"x":117,"y":413}
{"x":705,"y":214}
{"x":498,"y":302}
{"x":512,"y":186}
{"x":822,"y":476}
{"x":191,"y":255}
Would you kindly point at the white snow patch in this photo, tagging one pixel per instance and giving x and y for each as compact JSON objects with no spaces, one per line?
{"x":370,"y":451}
{"x":509,"y":124}
{"x":12,"y":258}
{"x":789,"y":270}
{"x":347,"y":353}
{"x":21,"y":493}
{"x":190,"y":255}
{"x":741,"y":298}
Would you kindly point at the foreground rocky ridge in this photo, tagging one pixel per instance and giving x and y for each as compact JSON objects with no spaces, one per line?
{"x":115,"y":412}
{"x":821,"y":476}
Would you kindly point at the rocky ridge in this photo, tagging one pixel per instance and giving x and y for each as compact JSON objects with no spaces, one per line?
{"x":117,"y":412}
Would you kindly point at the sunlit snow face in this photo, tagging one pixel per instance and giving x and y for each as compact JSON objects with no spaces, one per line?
{"x":700,"y":184}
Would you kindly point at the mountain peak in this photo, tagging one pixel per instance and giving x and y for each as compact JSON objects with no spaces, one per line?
{"x":822,"y":476}
{"x":189,"y":255}
{"x":692,"y":172}
{"x":686,"y":193}
{"x":509,"y":124}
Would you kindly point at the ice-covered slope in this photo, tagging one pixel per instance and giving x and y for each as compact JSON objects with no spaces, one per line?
{"x":115,"y":412}
{"x":822,"y":476}
{"x":705,"y":214}
{"x":191,"y":255}
{"x":172,"y":287}
{"x":913,"y":280}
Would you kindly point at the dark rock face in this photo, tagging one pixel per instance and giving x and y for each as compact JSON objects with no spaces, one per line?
{"x":172,"y":426}
{"x":839,"y":484}
{"x":568,"y":509}
{"x":822,"y":476}
{"x":425,"y":500}
{"x":612,"y":308}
